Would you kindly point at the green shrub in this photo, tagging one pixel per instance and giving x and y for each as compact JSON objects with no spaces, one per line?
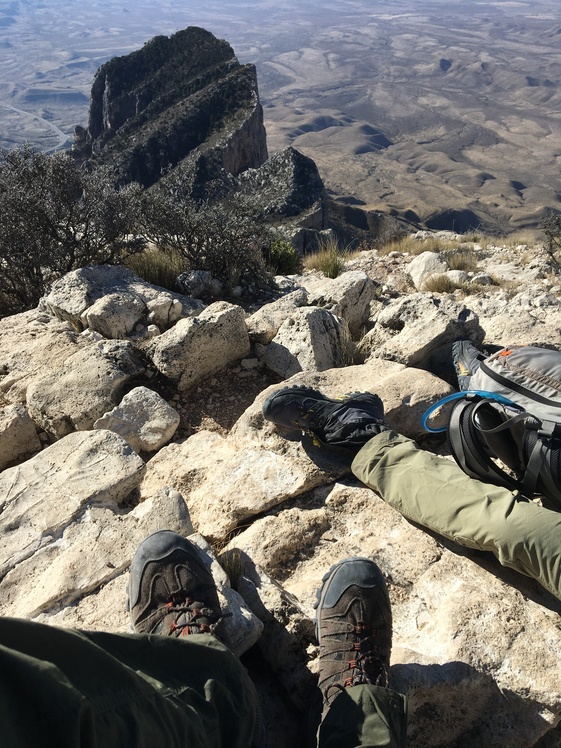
{"x":551,"y":226}
{"x":228,"y":243}
{"x":282,"y":258}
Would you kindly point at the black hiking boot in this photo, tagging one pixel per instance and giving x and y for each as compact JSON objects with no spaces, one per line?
{"x":345,"y":424}
{"x":171,"y":590}
{"x":467,"y":360}
{"x":353,"y":628}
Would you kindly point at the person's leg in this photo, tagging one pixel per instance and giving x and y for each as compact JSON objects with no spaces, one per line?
{"x":364,"y":717}
{"x":354,"y":631}
{"x":172,"y":683}
{"x":434,"y":492}
{"x":97,"y":690}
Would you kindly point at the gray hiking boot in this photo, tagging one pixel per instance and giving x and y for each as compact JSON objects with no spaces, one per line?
{"x":171,"y":590}
{"x":345,"y":424}
{"x":467,"y":360}
{"x":353,"y":628}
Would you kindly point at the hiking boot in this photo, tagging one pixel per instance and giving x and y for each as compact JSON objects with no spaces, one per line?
{"x":171,"y":590}
{"x":353,"y":628}
{"x":346,"y":424}
{"x":467,"y":360}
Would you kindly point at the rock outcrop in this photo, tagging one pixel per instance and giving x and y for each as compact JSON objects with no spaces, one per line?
{"x":272,"y":511}
{"x":183,"y":110}
{"x":152,"y":108}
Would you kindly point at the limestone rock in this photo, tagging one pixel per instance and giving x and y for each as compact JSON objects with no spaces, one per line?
{"x":198,"y":347}
{"x":419,"y":329}
{"x":88,"y":384}
{"x":287,"y":634}
{"x":143,"y":419}
{"x":348,"y":296}
{"x":287,"y":189}
{"x":425,"y":265}
{"x":32,"y":343}
{"x":226,"y":481}
{"x":115,"y":315}
{"x":18,"y":436}
{"x":311,"y":339}
{"x":40,"y":497}
{"x":519,"y":320}
{"x":93,"y":550}
{"x":113,"y":301}
{"x":264,"y":324}
{"x":241,"y":627}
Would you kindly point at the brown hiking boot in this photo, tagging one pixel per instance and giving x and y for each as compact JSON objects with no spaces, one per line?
{"x":353,"y":628}
{"x":171,"y":590}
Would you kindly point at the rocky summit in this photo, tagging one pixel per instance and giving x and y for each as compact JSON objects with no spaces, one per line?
{"x":126,"y":408}
{"x":183,"y":113}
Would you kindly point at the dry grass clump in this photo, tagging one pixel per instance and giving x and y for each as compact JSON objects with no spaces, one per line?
{"x":412,"y":246}
{"x":329,"y":258}
{"x":440,"y":284}
{"x":158,"y":267}
{"x":462,"y":259}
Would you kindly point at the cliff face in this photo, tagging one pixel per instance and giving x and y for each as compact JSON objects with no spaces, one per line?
{"x":154,"y":108}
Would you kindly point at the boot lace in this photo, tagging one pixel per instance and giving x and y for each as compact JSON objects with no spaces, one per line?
{"x":191,"y":616}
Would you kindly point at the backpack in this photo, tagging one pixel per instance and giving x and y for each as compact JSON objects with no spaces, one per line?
{"x":512,"y":412}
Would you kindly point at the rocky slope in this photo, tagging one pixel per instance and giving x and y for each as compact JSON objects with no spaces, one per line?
{"x":126,"y":408}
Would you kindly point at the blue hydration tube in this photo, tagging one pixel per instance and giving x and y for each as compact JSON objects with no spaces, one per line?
{"x":457,"y":396}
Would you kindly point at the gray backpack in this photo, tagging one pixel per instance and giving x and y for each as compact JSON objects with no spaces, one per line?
{"x":512,"y":412}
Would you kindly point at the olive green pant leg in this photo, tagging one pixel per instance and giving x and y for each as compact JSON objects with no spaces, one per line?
{"x":434,"y":492}
{"x":365,"y":717}
{"x":96,"y":690}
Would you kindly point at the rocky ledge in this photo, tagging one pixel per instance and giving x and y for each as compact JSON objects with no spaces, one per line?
{"x":113,"y":424}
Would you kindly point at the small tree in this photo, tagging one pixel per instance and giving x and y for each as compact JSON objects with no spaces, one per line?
{"x":55,"y":217}
{"x":551,"y":225}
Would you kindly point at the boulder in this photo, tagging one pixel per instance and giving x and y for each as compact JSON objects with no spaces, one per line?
{"x":143,"y":419}
{"x":115,"y":315}
{"x":113,"y":301}
{"x":527,"y":318}
{"x":424,"y":265}
{"x":348,"y":296}
{"x":264,"y":324}
{"x":42,"y":496}
{"x":419,"y":329}
{"x":18,"y":435}
{"x":92,"y":558}
{"x":226,"y":481}
{"x":311,"y":339}
{"x":198,"y":347}
{"x":87,"y":384}
{"x":32,"y":343}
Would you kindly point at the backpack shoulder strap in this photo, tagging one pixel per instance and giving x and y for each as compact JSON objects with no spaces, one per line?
{"x":468,"y":445}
